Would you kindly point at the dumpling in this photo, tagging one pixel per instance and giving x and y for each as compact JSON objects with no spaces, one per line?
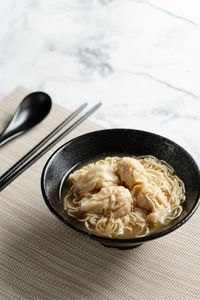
{"x":115,"y":199}
{"x":158,"y":216}
{"x":149,"y":197}
{"x":80,"y":173}
{"x":130,"y":171}
{"x":140,"y":215}
{"x":96,"y":178}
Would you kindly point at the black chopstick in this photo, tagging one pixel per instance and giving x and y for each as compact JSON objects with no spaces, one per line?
{"x":42,"y":143}
{"x":34,"y":158}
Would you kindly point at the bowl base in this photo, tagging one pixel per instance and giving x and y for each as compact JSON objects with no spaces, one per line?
{"x":121,"y":248}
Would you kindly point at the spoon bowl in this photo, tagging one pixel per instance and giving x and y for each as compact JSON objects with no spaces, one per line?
{"x":31,"y":111}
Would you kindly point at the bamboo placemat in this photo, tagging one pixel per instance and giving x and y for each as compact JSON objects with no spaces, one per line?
{"x":42,"y":259}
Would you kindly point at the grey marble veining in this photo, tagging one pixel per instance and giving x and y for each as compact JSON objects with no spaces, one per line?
{"x":140,"y":58}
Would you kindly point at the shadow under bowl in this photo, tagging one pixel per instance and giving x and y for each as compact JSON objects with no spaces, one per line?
{"x":122,"y":142}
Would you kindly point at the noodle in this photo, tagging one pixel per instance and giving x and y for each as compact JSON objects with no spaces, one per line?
{"x":124,"y":196}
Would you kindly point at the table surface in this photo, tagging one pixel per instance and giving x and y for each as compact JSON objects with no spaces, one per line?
{"x":141,"y":58}
{"x":42,"y":259}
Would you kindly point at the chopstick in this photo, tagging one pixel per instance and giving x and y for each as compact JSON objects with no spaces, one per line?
{"x":42,"y":143}
{"x":5,"y":180}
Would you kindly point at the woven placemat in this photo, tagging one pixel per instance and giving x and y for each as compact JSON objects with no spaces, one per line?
{"x":40,"y":258}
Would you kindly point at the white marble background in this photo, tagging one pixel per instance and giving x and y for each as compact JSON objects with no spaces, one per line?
{"x":140,"y":58}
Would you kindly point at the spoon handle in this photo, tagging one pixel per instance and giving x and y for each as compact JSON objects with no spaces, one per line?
{"x":5,"y":137}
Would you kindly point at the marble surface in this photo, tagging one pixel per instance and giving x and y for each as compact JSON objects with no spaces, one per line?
{"x":140,"y":58}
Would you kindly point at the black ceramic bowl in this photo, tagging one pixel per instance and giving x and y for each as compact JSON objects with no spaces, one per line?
{"x":118,"y":142}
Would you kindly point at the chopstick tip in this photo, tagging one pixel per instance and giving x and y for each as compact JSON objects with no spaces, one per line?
{"x":99,"y":104}
{"x":84,"y":104}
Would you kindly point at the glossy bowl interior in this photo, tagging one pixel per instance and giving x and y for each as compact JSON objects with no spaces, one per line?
{"x":123,"y":142}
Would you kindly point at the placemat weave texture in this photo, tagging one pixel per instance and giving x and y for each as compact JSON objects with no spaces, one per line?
{"x":40,"y":258}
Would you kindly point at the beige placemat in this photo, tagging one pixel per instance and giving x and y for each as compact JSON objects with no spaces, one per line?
{"x":42,"y":259}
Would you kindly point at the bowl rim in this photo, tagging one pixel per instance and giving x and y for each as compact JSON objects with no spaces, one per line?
{"x":133,"y":240}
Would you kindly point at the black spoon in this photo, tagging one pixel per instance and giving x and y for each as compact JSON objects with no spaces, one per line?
{"x":31,"y":111}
